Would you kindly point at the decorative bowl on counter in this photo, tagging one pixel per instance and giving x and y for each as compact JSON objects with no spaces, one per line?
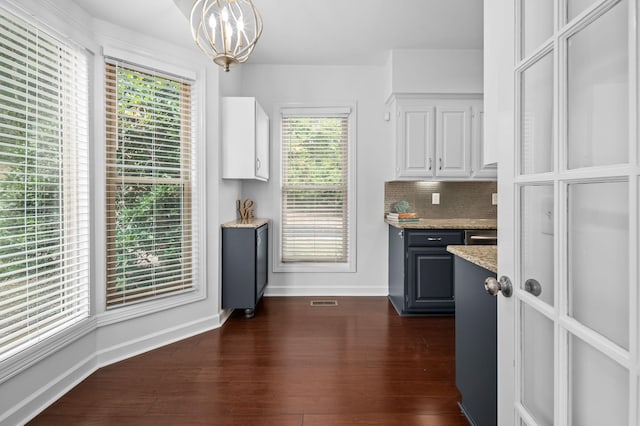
{"x":401,"y":206}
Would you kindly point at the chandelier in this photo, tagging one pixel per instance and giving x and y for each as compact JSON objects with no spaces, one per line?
{"x":226,"y":30}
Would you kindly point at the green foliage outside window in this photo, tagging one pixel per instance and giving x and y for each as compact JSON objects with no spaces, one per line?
{"x":149,"y":183}
{"x":316,"y":152}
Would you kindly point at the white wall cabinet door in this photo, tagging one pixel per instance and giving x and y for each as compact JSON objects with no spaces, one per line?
{"x":245,"y":139}
{"x":262,"y":144}
{"x":480,"y":168}
{"x":453,"y":141}
{"x":415,"y":141}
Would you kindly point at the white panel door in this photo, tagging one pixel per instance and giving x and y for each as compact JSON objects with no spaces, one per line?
{"x":568,"y":218}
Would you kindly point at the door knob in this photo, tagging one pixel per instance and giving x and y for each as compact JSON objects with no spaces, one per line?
{"x":533,"y":286}
{"x":494,"y":286}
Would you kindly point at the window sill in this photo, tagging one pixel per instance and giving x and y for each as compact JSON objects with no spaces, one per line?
{"x":315,"y":267}
{"x":143,"y":308}
{"x":23,"y":360}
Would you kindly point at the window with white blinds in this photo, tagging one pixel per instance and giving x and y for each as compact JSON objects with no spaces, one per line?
{"x":150,"y":186}
{"x":44,"y":191}
{"x":315,"y":225}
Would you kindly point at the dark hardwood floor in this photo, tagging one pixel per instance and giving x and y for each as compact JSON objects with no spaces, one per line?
{"x":293,"y":364}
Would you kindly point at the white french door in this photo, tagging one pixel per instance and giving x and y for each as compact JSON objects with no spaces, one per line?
{"x":568,"y":214}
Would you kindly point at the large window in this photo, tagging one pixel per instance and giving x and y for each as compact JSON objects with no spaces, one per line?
{"x":150,"y":197}
{"x":44,"y":185}
{"x":316,"y":187}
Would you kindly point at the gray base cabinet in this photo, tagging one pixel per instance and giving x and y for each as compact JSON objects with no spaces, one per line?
{"x":421,"y":270}
{"x":244,"y":267}
{"x":476,"y":344}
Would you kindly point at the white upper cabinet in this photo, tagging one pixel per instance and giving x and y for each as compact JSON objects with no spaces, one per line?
{"x":245,"y":139}
{"x":480,"y":168}
{"x":439,"y":138}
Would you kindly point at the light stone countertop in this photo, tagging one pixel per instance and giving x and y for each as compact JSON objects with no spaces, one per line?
{"x":447,"y":224}
{"x":483,"y":256}
{"x":251,"y":223}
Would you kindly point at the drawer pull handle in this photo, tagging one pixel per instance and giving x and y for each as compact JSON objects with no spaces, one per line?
{"x":434,"y":239}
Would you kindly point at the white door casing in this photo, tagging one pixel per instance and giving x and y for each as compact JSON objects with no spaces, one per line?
{"x":564,"y":109}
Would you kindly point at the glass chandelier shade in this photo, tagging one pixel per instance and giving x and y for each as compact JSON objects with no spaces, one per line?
{"x":226,"y":30}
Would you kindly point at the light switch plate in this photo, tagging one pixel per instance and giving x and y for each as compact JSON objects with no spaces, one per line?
{"x":494,"y":198}
{"x":435,"y":198}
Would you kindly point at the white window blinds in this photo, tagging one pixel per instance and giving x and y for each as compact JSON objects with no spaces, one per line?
{"x":315,"y":187}
{"x":150,"y":194}
{"x":44,"y":202}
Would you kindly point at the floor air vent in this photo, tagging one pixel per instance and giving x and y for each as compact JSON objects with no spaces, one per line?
{"x":324,"y":303}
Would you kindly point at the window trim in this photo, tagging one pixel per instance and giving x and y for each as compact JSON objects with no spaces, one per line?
{"x":318,"y":109}
{"x":198,"y":292}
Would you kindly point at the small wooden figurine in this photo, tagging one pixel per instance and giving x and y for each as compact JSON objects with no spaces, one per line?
{"x":245,"y":209}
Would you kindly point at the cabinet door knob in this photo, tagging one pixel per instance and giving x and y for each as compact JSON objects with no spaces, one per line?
{"x":429,"y":163}
{"x":257,"y":164}
{"x":440,"y":159}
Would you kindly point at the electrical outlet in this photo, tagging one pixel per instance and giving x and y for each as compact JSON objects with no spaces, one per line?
{"x":494,"y":199}
{"x":435,"y":198}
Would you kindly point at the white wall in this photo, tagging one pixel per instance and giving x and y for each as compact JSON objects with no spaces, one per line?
{"x":40,"y":376}
{"x":277,"y":85}
{"x":436,"y":71}
{"x":229,"y":84}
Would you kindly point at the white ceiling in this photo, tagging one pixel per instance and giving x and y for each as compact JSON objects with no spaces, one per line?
{"x":335,"y":32}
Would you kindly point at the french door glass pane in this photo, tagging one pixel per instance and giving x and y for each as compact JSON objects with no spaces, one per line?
{"x":575,"y":7}
{"x":537,"y":23}
{"x":598,"y":387}
{"x":536,"y":260}
{"x":536,"y":121}
{"x":537,"y":365}
{"x":598,"y":260}
{"x":598,"y":91}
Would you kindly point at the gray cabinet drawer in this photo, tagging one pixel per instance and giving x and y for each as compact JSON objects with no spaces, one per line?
{"x":434,"y":238}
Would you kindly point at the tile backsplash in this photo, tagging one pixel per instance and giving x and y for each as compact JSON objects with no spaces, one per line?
{"x":457,"y":199}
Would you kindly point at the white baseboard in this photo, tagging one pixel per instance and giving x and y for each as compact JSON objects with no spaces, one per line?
{"x":275,"y":290}
{"x":49,"y":393}
{"x":149,"y":342}
{"x":63,"y":383}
